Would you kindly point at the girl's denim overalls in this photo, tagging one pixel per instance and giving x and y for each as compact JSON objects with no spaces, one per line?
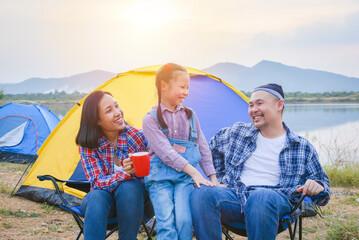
{"x":170,"y":190}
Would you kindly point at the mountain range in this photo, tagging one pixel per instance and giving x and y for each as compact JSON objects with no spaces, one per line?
{"x":293,"y":79}
{"x":83,"y":82}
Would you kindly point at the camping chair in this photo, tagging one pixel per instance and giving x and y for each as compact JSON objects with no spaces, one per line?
{"x":76,"y":212}
{"x":295,"y":216}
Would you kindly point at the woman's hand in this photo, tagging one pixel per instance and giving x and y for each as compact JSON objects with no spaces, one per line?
{"x":196,"y":176}
{"x":128,"y":166}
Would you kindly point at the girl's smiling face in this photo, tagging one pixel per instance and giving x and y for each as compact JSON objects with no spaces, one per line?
{"x":175,"y":92}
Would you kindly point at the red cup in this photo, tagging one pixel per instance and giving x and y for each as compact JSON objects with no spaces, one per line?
{"x":141,"y":163}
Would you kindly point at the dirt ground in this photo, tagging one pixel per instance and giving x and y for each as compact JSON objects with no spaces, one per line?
{"x":23,"y":219}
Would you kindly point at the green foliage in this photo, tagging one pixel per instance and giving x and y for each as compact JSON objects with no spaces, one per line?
{"x":18,"y":213}
{"x":343,"y":177}
{"x":14,"y":167}
{"x":291,"y":97}
{"x":306,"y":97}
{"x":4,"y":188}
{"x":48,"y":208}
{"x":309,"y":230}
{"x":48,"y":97}
{"x":327,"y":212}
{"x":346,"y":228}
{"x":7,"y":225}
{"x":351,"y":200}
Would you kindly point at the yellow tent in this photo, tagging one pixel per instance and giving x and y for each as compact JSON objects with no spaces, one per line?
{"x":216,"y":103}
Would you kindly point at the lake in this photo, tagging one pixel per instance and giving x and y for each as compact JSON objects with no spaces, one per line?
{"x":309,"y":117}
{"x":333,"y":129}
{"x":299,"y":117}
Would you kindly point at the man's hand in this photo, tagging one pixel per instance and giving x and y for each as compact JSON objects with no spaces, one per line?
{"x":311,"y":187}
{"x":127,"y":165}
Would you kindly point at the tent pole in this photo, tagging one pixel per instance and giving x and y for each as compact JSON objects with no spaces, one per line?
{"x":12,"y":193}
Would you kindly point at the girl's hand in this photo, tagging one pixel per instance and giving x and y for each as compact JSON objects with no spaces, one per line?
{"x":198,"y":180}
{"x":196,"y":176}
{"x":127,"y":166}
{"x":214,"y":180}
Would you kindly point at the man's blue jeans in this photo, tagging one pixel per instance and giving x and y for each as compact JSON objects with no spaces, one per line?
{"x":129,"y":202}
{"x":262,"y":211}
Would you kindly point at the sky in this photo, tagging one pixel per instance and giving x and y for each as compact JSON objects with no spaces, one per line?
{"x":51,"y":38}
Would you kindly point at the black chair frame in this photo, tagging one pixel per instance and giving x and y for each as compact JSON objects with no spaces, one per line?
{"x":78,"y":216}
{"x":294,"y":216}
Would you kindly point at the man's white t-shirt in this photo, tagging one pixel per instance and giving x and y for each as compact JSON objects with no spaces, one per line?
{"x":262,"y":167}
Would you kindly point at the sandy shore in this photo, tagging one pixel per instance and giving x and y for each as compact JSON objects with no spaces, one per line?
{"x":338,"y":143}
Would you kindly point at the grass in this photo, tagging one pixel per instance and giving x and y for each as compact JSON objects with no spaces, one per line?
{"x":342,"y":170}
{"x":13,"y":166}
{"x":4,"y":188}
{"x":345,"y":176}
{"x":48,"y":208}
{"x":346,"y":228}
{"x":18,"y":213}
{"x":7,"y":225}
{"x":310,"y":230}
{"x":352,"y":200}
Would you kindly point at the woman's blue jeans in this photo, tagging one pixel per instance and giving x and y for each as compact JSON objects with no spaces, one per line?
{"x":262,"y":211}
{"x":128,"y":202}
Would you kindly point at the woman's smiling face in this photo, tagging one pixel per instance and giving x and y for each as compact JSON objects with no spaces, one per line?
{"x":110,"y":115}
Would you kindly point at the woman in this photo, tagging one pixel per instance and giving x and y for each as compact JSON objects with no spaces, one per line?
{"x":106,"y":143}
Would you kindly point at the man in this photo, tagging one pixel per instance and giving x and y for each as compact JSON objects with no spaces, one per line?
{"x":264,"y":167}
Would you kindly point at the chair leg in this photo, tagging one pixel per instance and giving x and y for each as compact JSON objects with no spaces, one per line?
{"x":146,"y":230}
{"x":112,"y":231}
{"x":295,"y":228}
{"x":225,"y":232}
{"x":300,"y":226}
{"x":290,"y":229}
{"x":79,"y":235}
{"x":153,"y":228}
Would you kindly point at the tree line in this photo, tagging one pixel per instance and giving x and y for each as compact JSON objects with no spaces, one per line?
{"x":306,"y":97}
{"x":291,"y":97}
{"x":46,"y":97}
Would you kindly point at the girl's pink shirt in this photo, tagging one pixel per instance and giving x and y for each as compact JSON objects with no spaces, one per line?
{"x":178,"y":128}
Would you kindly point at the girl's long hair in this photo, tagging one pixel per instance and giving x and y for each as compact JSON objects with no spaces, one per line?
{"x":167,"y":74}
{"x":90,"y":132}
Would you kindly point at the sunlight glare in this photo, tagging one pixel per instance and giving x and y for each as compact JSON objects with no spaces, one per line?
{"x":149,"y":14}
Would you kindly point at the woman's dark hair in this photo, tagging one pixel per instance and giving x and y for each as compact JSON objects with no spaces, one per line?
{"x":166,"y":74}
{"x":90,"y":131}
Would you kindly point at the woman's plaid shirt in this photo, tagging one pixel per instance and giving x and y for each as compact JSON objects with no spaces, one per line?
{"x":298,"y":161}
{"x":98,"y":163}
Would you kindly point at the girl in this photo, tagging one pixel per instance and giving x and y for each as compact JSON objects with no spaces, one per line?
{"x":177,"y":145}
{"x":105,"y":143}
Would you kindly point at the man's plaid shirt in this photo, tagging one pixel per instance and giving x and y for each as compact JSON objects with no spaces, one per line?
{"x":98,"y":163}
{"x":298,"y":162}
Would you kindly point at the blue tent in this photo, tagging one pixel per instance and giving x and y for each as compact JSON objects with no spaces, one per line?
{"x":23,"y":129}
{"x":216,"y":103}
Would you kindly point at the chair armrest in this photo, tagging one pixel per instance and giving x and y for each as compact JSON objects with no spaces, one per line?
{"x":321,"y":194}
{"x":49,"y":177}
{"x":296,"y":206}
{"x":55,"y":181}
